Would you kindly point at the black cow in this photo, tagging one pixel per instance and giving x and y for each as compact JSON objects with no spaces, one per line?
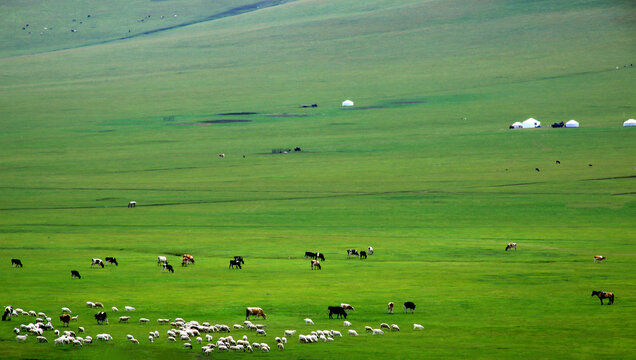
{"x":234,"y":264}
{"x":239,"y":259}
{"x":65,"y":319}
{"x":111,"y":260}
{"x":352,"y":252}
{"x":8,"y":311}
{"x":168,"y":267}
{"x":297,"y":148}
{"x":320,"y":256}
{"x":409,"y":306}
{"x":558,"y":162}
{"x":338,"y":310}
{"x":363,"y":255}
{"x":16,"y":262}
{"x":101,"y":317}
{"x":558,"y":125}
{"x":309,"y":254}
{"x":75,"y":274}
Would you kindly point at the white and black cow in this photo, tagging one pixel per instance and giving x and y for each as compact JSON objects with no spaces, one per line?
{"x":352,"y":252}
{"x":8,"y":311}
{"x":111,"y":260}
{"x":97,"y":262}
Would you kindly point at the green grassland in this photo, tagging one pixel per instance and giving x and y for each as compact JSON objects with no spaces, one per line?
{"x":91,"y":121}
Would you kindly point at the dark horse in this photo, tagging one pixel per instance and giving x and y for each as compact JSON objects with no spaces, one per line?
{"x":604,"y":295}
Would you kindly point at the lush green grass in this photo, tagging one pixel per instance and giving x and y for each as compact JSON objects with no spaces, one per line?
{"x":84,"y":132}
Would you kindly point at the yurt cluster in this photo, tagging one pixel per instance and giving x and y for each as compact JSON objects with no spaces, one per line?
{"x":532,"y":123}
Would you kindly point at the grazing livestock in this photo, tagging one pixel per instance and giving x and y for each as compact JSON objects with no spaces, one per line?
{"x":418,"y":327}
{"x":315,"y":264}
{"x":66,"y":310}
{"x":239,"y":259}
{"x":161,"y":260}
{"x":363,"y":254}
{"x":347,"y":307}
{"x":101,"y":317}
{"x":309,"y":321}
{"x":409,"y":306}
{"x":353,"y":333}
{"x":352,"y":252}
{"x":42,"y":339}
{"x":115,"y":309}
{"x":98,"y":305}
{"x":338,"y":310}
{"x":97,"y":262}
{"x":168,"y":267}
{"x":187,"y":258}
{"x":143,"y":321}
{"x":132,"y":204}
{"x":346,"y":323}
{"x":90,"y":304}
{"x":254,"y":311}
{"x":320,"y":256}
{"x":391,"y":305}
{"x":75,"y":274}
{"x":310,"y":255}
{"x":234,"y":264}
{"x":378,"y":332}
{"x":261,"y":332}
{"x":290,"y":332}
{"x":394,"y":327}
{"x":370,"y":250}
{"x":111,"y":260}
{"x":74,"y":318}
{"x":558,"y":162}
{"x":537,"y":169}
{"x":604,"y":295}
{"x":65,"y":319}
{"x":221,"y":156}
{"x":129,"y":308}
{"x":16,"y":263}
{"x":21,"y":338}
{"x":8,"y":312}
{"x":511,"y":245}
{"x":599,"y":258}
{"x":384,"y":325}
{"x":124,"y":318}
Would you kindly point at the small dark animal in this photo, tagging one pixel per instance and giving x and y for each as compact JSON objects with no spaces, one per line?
{"x":352,"y":252}
{"x":111,"y":260}
{"x":558,"y":125}
{"x":297,"y":148}
{"x":100,"y":317}
{"x":310,"y":255}
{"x":7,"y":313}
{"x":409,"y":306}
{"x":537,"y":169}
{"x":320,"y":256}
{"x":65,"y":319}
{"x":16,"y":262}
{"x":235,"y":264}
{"x":558,"y":162}
{"x":75,"y":274}
{"x":511,"y":246}
{"x":338,"y":310}
{"x":363,"y":255}
{"x":239,"y":259}
{"x":132,"y":204}
{"x":589,"y":164}
{"x":604,"y":295}
{"x":168,"y":267}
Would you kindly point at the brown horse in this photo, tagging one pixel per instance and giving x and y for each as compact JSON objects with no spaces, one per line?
{"x":604,"y":295}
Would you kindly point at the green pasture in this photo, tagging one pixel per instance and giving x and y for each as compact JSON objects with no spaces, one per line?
{"x":90,"y":121}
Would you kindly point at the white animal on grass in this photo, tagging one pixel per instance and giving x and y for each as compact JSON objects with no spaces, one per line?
{"x":129,"y":308}
{"x":65,"y":309}
{"x":418,"y":327}
{"x":378,"y":332}
{"x":115,"y":308}
{"x":353,"y":333}
{"x":290,"y":332}
{"x":309,"y":321}
{"x":347,"y":323}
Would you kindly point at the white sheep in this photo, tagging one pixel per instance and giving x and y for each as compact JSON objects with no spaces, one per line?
{"x":187,"y":345}
{"x":115,"y":308}
{"x":124,"y":318}
{"x":309,"y":321}
{"x":134,"y":341}
{"x":185,"y":338}
{"x":33,"y":313}
{"x":378,"y":332}
{"x":290,"y":332}
{"x":347,"y":323}
{"x":261,"y":331}
{"x":394,"y":327}
{"x":129,"y":337}
{"x":80,"y":329}
{"x":384,"y":325}
{"x":284,"y":339}
{"x":104,"y":337}
{"x":171,"y":339}
{"x":239,"y":326}
{"x":42,"y":339}
{"x":418,"y":327}
{"x":368,"y":329}
{"x":143,"y":320}
{"x":323,"y":338}
{"x":88,"y":340}
{"x":74,"y":318}
{"x":90,"y":304}
{"x":353,"y":333}
{"x":66,"y":310}
{"x":129,"y":308}
{"x":151,"y":338}
{"x":208,"y":337}
{"x":199,"y":339}
{"x":335,"y":333}
{"x":77,"y":343}
{"x":281,"y":346}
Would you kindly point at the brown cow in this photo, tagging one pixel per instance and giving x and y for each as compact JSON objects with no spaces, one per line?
{"x":511,"y":246}
{"x":187,"y":258}
{"x":254,"y":311}
{"x":65,"y":319}
{"x":391,"y":305}
{"x":599,"y":258}
{"x":315,"y":264}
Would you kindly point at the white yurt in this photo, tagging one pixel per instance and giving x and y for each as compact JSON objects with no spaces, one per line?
{"x":630,"y":122}
{"x":347,"y":103}
{"x":531,"y":123}
{"x":572,"y":124}
{"x":516,"y":125}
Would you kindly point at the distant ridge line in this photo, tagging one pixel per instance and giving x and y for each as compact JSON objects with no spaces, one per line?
{"x":227,"y":13}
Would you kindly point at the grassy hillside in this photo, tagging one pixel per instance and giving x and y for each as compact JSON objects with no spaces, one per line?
{"x":91,"y":122}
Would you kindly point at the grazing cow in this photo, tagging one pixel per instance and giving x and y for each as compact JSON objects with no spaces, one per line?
{"x":310,"y":255}
{"x":338,"y":310}
{"x":168,"y":267}
{"x":352,"y":252}
{"x":101,"y":317}
{"x":511,"y":246}
{"x":604,"y":295}
{"x":347,"y":307}
{"x":98,"y":262}
{"x":363,"y":254}
{"x":254,"y":311}
{"x":132,"y":204}
{"x":315,"y":264}
{"x":558,"y":162}
{"x":370,"y":250}
{"x":391,"y":305}
{"x":297,"y":148}
{"x":187,"y":258}
{"x":409,"y":306}
{"x":16,"y":263}
{"x":239,"y":259}
{"x":221,"y":156}
{"x":537,"y":169}
{"x":599,"y":258}
{"x":111,"y":260}
{"x":8,"y":312}
{"x":65,"y":319}
{"x":320,"y":256}
{"x":75,"y":274}
{"x":162,"y":260}
{"x":234,"y":264}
